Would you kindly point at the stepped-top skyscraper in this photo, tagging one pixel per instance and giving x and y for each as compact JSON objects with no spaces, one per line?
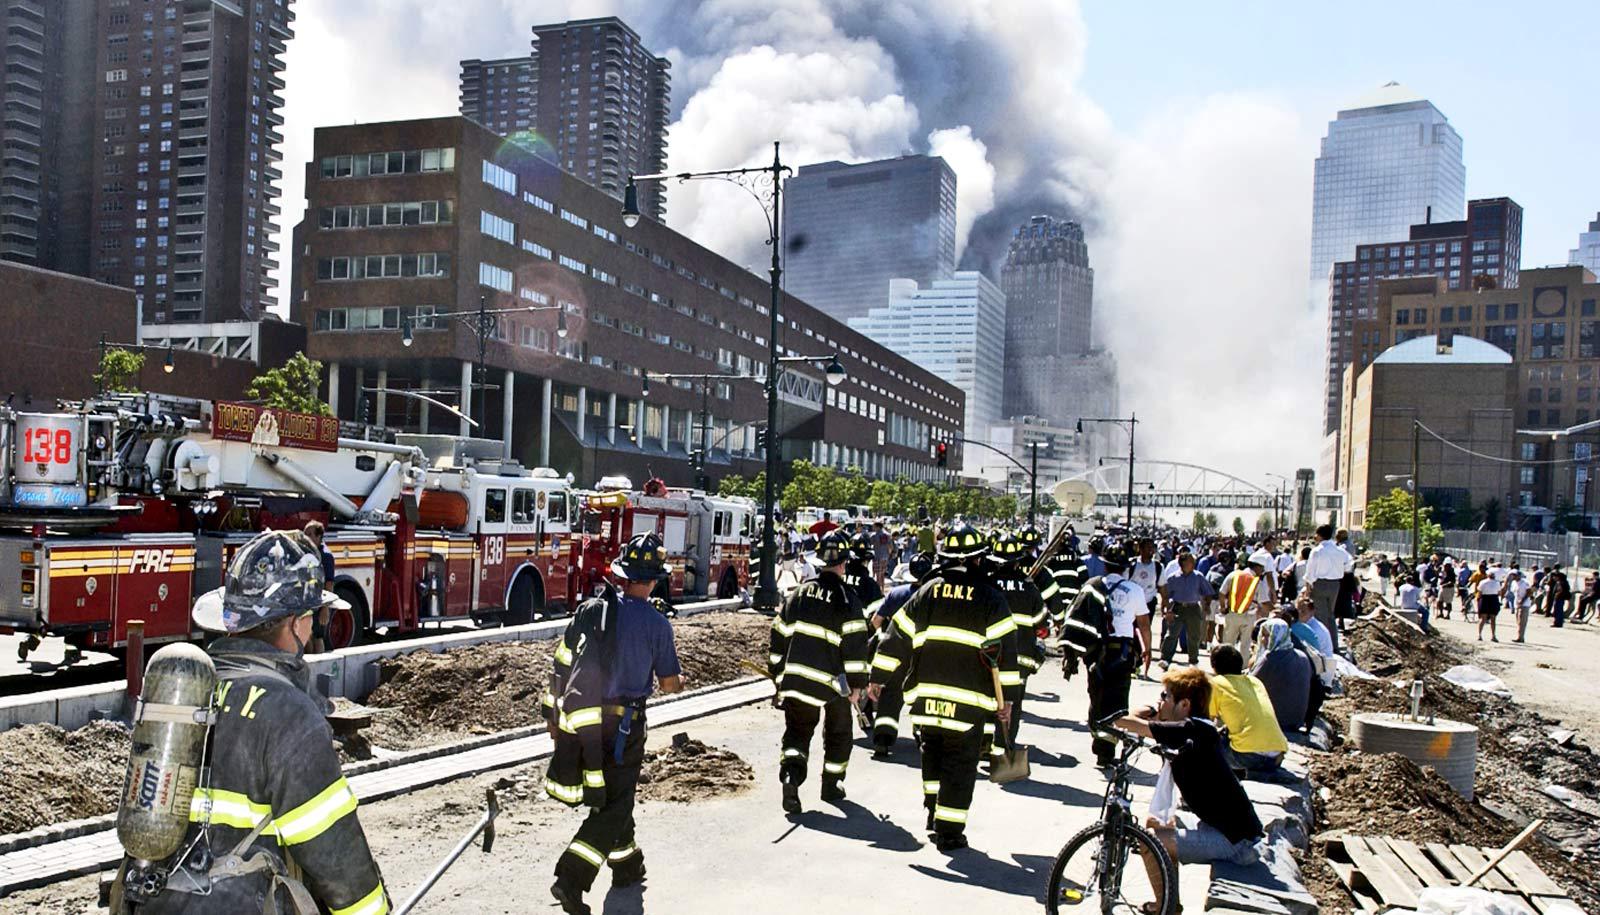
{"x":1588,"y":251}
{"x":1049,"y":289}
{"x":589,"y":96}
{"x":1388,"y":159}
{"x":850,"y":229}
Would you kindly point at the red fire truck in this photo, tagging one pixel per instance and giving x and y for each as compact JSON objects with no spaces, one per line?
{"x":127,"y":507}
{"x":707,"y":537}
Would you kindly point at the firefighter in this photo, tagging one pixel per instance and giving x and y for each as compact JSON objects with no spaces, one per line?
{"x":1028,"y":613}
{"x":818,"y":660}
{"x":889,"y":702}
{"x":858,"y":572}
{"x":615,"y":652}
{"x":276,"y":800}
{"x":937,"y":649}
{"x":1109,"y":626}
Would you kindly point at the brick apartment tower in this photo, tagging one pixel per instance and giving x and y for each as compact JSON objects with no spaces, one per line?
{"x":589,"y":96}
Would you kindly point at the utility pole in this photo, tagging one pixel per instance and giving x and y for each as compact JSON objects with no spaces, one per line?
{"x":1033,"y":485}
{"x":1416,"y":489}
{"x":1133,"y":422}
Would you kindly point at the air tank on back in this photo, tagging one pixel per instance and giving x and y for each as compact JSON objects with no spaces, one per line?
{"x":164,"y":763}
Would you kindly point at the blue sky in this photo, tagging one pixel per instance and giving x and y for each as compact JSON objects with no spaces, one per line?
{"x":1518,"y":81}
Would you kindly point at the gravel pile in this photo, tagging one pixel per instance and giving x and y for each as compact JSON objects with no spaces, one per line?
{"x":48,"y":775}
{"x":689,"y":771}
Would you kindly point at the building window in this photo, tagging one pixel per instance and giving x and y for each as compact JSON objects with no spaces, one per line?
{"x":501,"y":179}
{"x":498,"y":227}
{"x":389,"y":163}
{"x":384,"y":266}
{"x":495,"y":277}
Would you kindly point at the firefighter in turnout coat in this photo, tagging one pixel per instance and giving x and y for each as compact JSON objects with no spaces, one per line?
{"x":936,"y":649}
{"x":858,"y":571}
{"x":611,"y":657}
{"x":1109,"y":627}
{"x":276,"y":801}
{"x":1028,"y":613}
{"x":818,"y":659}
{"x":890,"y":700}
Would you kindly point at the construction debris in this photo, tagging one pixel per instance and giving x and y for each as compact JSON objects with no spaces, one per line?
{"x":48,"y":775}
{"x":689,"y":771}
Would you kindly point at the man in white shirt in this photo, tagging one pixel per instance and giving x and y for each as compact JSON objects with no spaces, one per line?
{"x":1489,"y":589}
{"x":1517,"y":588}
{"x":1324,"y":571}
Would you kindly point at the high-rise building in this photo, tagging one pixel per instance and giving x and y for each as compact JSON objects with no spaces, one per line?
{"x":499,"y":94}
{"x":158,"y":158}
{"x":850,"y":229}
{"x":1387,"y":159}
{"x":1049,"y":289}
{"x":1482,"y":251}
{"x":589,"y":97}
{"x":956,"y":329}
{"x":1588,"y":251}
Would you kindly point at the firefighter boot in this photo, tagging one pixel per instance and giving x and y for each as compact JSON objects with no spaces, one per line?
{"x":791,"y":798}
{"x":832,"y":790}
{"x":628,"y":874}
{"x":570,"y":899}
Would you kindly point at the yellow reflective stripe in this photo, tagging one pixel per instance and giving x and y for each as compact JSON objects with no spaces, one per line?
{"x":1050,"y":591}
{"x":229,"y":808}
{"x":774,"y":659}
{"x":930,"y":787}
{"x":810,"y":673}
{"x":947,"y":724}
{"x":998,"y":629}
{"x":782,"y":628}
{"x":808,"y":700}
{"x":949,"y":634}
{"x":873,"y":607}
{"x":570,"y":794}
{"x":949,"y":814}
{"x":884,"y":721}
{"x":374,"y":903}
{"x":853,"y":626}
{"x":954,"y":694}
{"x":623,"y":853}
{"x":1010,"y":678}
{"x":791,"y":753}
{"x":563,"y":653}
{"x":818,"y":632}
{"x":835,"y":768}
{"x":586,"y":852}
{"x":594,"y":778}
{"x":312,"y":819}
{"x":549,"y":700}
{"x":902,"y":621}
{"x":1025,"y":661}
{"x":886,"y":662}
{"x":582,"y":718}
{"x":855,"y":667}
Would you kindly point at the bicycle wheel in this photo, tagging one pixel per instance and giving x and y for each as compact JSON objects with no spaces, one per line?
{"x":1097,"y":874}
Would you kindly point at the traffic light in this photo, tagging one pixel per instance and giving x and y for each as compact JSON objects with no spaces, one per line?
{"x":941,"y":454}
{"x":761,"y":437}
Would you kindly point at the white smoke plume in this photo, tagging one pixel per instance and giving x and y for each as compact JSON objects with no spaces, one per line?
{"x":1197,"y":225}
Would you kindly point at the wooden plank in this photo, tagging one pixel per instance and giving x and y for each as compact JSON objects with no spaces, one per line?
{"x":1527,"y":877}
{"x":1347,"y":875}
{"x":1394,"y":883}
{"x":1554,"y":905}
{"x":1413,"y":857}
{"x":1476,"y":858}
{"x":1448,"y":863}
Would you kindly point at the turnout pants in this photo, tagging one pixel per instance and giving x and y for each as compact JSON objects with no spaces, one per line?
{"x":607,"y":834}
{"x":1191,"y":621}
{"x":799,"y":722}
{"x":1110,"y":679}
{"x":949,"y":772}
{"x":886,"y":716}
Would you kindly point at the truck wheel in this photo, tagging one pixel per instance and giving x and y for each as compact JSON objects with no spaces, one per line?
{"x":729,"y":586}
{"x":347,"y":627}
{"x":523,"y":602}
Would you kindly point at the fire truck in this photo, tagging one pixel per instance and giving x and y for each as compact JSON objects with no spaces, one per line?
{"x":707,"y":537}
{"x":129,"y":506}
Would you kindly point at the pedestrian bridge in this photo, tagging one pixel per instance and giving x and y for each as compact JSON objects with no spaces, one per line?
{"x":1174,"y":485}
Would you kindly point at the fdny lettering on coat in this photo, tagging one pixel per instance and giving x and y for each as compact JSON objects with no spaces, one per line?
{"x":954,"y":592}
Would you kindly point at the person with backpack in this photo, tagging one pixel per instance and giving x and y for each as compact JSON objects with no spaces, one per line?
{"x":1109,"y":628}
{"x":1385,"y":569}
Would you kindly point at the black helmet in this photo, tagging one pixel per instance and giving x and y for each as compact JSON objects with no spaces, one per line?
{"x":1096,"y":544}
{"x":919,"y":567}
{"x":1029,"y":535}
{"x":1115,"y":557}
{"x":962,"y":541}
{"x":832,"y":549}
{"x":273,"y":575}
{"x":643,"y":559}
{"x":1007,"y":546}
{"x":861,"y":546}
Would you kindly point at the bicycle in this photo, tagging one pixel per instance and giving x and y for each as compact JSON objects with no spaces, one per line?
{"x":1088,"y":874}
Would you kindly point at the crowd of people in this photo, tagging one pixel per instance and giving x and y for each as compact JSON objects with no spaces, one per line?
{"x":1443,"y":585}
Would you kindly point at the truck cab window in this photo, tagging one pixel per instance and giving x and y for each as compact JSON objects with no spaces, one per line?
{"x":522,"y":507}
{"x":558,"y":508}
{"x":494,"y":506}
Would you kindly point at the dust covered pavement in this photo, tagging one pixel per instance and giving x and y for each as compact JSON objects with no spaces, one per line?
{"x":48,"y":775}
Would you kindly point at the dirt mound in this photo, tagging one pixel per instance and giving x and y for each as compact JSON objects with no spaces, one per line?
{"x":690,"y":771}
{"x":48,"y":775}
{"x":1388,"y":795}
{"x":429,"y":698}
{"x":1387,"y":647}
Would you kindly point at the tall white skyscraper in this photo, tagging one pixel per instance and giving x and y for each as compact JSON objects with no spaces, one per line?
{"x":956,"y":329}
{"x":1387,"y":159}
{"x":1588,"y":251}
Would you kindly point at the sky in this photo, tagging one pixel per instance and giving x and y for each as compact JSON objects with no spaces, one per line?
{"x":1181,"y":134}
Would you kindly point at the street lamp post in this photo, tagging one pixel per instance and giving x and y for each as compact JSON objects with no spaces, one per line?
{"x":167,"y":364}
{"x":483,"y":322}
{"x":1130,"y":424}
{"x":1278,"y":500}
{"x":765,"y":184}
{"x":1033,"y":475}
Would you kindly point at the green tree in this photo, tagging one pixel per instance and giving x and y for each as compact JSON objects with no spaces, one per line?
{"x":881,"y":498}
{"x":1568,"y":518}
{"x":1200,"y":522}
{"x":1393,"y":513}
{"x":119,"y":371}
{"x":1238,"y":526}
{"x":1488,"y":514}
{"x":293,"y":386}
{"x":1264,"y":521}
{"x":1212,"y":524}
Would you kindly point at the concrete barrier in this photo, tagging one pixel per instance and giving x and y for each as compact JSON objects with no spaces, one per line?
{"x":347,"y":673}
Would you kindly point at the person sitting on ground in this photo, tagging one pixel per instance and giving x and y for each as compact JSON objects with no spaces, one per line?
{"x":1220,"y":823}
{"x":1239,"y":702}
{"x":1286,"y":673}
{"x":1589,"y":600}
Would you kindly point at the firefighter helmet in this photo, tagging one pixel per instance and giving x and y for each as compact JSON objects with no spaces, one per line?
{"x":916,"y":569}
{"x":1029,"y":535}
{"x":1115,"y":558}
{"x":832,"y":549}
{"x":273,"y":575}
{"x":643,"y":559}
{"x":962,"y":541}
{"x":861,"y":546}
{"x":1008,"y":546}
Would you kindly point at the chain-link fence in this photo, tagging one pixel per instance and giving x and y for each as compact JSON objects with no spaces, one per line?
{"x":1527,"y":548}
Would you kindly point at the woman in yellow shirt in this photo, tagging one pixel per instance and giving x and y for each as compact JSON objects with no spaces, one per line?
{"x":1240,"y":703}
